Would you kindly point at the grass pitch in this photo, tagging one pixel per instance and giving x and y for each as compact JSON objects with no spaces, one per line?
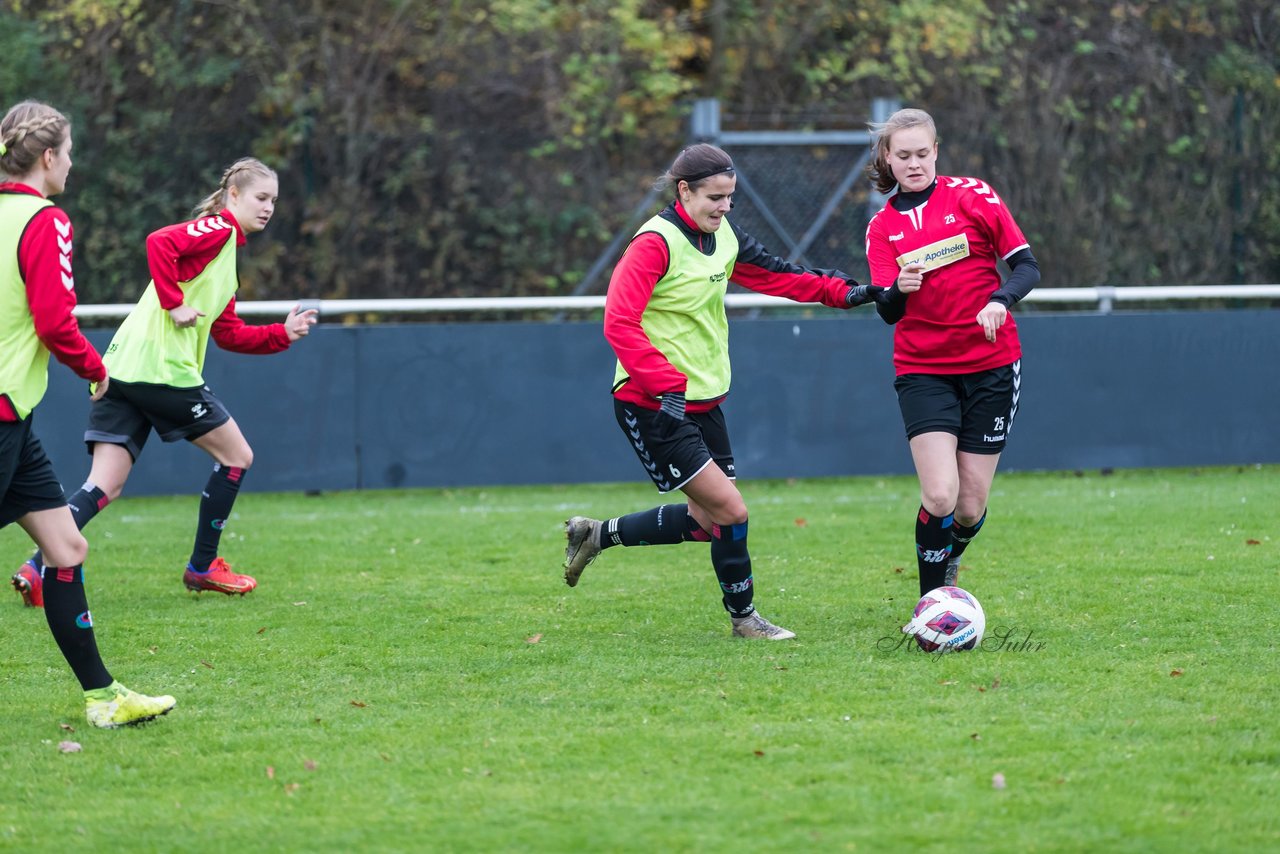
{"x":412,"y":674}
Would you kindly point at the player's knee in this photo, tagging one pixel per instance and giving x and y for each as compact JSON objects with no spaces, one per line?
{"x":732,"y":513}
{"x":70,"y":550}
{"x":939,"y":502}
{"x":80,"y":549}
{"x":241,"y":459}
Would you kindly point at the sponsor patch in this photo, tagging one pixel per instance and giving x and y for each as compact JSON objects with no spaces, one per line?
{"x":938,"y":254}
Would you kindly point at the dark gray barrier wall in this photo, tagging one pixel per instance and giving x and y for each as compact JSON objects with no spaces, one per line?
{"x":477,"y":404}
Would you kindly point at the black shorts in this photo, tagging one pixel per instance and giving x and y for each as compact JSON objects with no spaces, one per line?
{"x":128,"y":411}
{"x":27,"y":481}
{"x":976,"y":408}
{"x":672,"y":451}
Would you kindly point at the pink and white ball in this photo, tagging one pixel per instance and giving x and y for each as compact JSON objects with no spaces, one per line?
{"x":947,"y":619}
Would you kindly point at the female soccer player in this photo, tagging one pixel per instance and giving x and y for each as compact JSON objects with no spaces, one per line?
{"x":37,"y":294}
{"x":665,"y":319}
{"x":157,"y":356}
{"x":934,"y":249}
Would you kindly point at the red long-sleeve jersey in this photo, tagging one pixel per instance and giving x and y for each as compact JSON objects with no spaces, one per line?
{"x":179,"y":253}
{"x":645,"y":263}
{"x":957,"y":229}
{"x":44,"y":260}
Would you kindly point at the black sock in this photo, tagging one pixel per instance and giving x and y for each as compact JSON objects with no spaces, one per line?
{"x":693,"y":532}
{"x":933,"y":548}
{"x":962,"y":535}
{"x":85,"y":503}
{"x":733,"y":567}
{"x":656,"y":526}
{"x":67,"y":612}
{"x":215,"y":506}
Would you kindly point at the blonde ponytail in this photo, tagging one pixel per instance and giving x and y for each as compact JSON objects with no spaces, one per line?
{"x":239,"y":175}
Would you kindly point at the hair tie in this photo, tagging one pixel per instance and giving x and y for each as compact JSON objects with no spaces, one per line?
{"x":4,"y":149}
{"x":718,"y":171}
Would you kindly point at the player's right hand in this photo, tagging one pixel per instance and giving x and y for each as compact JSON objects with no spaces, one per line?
{"x":910,"y":278}
{"x":184,"y":316}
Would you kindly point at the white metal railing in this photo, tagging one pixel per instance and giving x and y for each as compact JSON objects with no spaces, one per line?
{"x":1102,"y":299}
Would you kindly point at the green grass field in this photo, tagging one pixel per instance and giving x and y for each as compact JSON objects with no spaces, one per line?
{"x":413,"y":675}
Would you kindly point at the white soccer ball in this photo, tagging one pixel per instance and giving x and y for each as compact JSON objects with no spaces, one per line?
{"x":947,"y":619}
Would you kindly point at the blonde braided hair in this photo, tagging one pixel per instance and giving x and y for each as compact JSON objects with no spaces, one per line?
{"x":239,"y":175}
{"x":27,"y":131}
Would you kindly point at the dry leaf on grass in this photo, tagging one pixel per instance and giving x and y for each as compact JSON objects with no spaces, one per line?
{"x":533,"y":638}
{"x":271,"y":772}
{"x":358,"y":704}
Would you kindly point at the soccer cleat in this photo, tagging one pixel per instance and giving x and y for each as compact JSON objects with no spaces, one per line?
{"x":30,"y":583}
{"x":756,"y":626}
{"x":584,"y":538}
{"x":116,"y":706}
{"x":953,"y":572}
{"x":220,"y":578}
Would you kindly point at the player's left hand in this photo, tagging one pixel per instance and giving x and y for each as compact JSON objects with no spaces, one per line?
{"x":862,"y":294}
{"x":98,"y":390}
{"x":298,"y":324}
{"x":992,"y":318}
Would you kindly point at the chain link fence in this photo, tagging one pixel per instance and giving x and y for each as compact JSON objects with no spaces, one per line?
{"x":802,"y":193}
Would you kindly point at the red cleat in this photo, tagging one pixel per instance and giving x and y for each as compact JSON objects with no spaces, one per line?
{"x":30,"y":584}
{"x":220,"y":578}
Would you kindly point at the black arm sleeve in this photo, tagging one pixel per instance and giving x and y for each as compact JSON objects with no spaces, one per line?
{"x":1024,"y":274}
{"x":891,"y":305}
{"x":752,"y":251}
